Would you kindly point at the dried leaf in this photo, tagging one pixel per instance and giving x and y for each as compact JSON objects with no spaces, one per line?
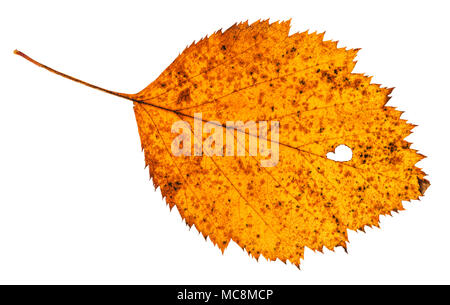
{"x":258,"y":73}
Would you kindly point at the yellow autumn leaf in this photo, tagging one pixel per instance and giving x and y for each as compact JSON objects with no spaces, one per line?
{"x":268,"y":185}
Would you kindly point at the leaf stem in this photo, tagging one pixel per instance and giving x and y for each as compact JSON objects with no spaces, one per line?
{"x":123,"y":95}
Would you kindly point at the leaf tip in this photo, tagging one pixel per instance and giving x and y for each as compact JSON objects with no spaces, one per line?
{"x":423,"y":185}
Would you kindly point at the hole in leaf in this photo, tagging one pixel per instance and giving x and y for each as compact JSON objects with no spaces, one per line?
{"x":342,"y":153}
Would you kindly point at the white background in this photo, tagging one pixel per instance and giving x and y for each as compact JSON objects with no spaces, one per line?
{"x":76,"y":204}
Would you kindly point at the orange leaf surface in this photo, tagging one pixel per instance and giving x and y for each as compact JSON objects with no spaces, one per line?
{"x":258,"y":73}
